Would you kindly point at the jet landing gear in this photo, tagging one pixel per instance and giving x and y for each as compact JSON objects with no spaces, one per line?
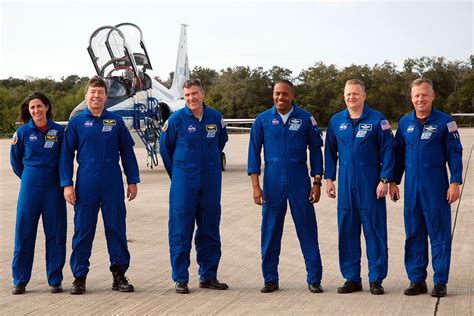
{"x":147,"y":124}
{"x":223,"y":161}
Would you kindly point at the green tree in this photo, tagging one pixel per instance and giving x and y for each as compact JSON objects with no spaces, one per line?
{"x":206,"y":75}
{"x":319,"y":91}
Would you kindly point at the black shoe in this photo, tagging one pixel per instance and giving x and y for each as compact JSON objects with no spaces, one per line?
{"x":213,"y":284}
{"x":315,"y":288}
{"x":79,"y":286}
{"x":439,"y":290}
{"x":376,"y":288}
{"x":349,"y":287}
{"x":121,"y":283}
{"x":416,"y":288}
{"x":19,"y":289}
{"x":269,"y":287}
{"x":181,"y":288}
{"x":56,"y":288}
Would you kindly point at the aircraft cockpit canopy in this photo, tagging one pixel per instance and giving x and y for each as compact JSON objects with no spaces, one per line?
{"x":119,"y":55}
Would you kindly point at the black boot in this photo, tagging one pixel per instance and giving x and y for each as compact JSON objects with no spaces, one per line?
{"x":439,"y":290}
{"x":269,"y":287}
{"x":315,"y":288}
{"x":19,"y":289}
{"x":349,"y":287}
{"x":213,"y":284}
{"x":120,"y":280}
{"x":57,"y":288}
{"x":376,"y":288}
{"x":121,"y":283}
{"x":79,"y":286}
{"x":416,"y":288}
{"x":181,"y":288}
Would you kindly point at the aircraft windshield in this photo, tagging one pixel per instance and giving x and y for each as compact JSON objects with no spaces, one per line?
{"x":115,"y":88}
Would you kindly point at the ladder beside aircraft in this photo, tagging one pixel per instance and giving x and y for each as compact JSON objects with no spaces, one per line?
{"x":147,"y":123}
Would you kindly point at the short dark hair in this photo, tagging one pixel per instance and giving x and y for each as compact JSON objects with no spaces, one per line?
{"x":25,"y":116}
{"x":285,"y":81}
{"x":192,"y":82}
{"x":96,"y":81}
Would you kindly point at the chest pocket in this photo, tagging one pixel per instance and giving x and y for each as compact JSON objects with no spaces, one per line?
{"x":190,"y":134}
{"x":432,"y":134}
{"x":109,"y":128}
{"x":295,"y":126}
{"x":91,"y":129}
{"x":52,"y":140}
{"x":412,"y":134}
{"x":298,"y":141}
{"x":34,"y":142}
{"x":275,"y":128}
{"x":365,"y":136}
{"x":344,"y":133}
{"x":211,"y":133}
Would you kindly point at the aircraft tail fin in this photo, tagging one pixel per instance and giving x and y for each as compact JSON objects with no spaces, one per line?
{"x":181,"y":73}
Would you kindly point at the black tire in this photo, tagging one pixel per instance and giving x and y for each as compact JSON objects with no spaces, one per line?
{"x":223,"y":161}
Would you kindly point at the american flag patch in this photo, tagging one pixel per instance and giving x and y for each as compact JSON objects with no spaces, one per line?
{"x":385,"y":125}
{"x":313,"y":121}
{"x":452,"y":127}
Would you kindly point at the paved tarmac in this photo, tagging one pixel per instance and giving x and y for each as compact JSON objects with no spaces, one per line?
{"x":240,"y":264}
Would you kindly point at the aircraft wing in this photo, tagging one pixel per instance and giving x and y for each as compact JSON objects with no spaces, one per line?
{"x":230,"y":122}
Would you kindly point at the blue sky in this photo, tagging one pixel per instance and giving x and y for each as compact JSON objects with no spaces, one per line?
{"x":49,"y":38}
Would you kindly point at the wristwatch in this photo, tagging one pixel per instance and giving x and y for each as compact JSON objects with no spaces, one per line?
{"x":384,"y":180}
{"x":317,"y":180}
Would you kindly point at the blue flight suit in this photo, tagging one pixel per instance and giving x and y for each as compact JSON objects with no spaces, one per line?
{"x":286,"y":179}
{"x":34,"y":157}
{"x":366,"y":154}
{"x":422,"y":152}
{"x":100,"y":142}
{"x":191,"y":152}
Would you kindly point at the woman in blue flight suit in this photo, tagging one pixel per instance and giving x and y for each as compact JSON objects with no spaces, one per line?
{"x":34,"y":157}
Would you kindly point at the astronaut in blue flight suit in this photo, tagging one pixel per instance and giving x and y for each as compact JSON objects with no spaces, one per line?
{"x":426,"y":140}
{"x":361,"y":139}
{"x":191,"y":145}
{"x":34,"y":158}
{"x":100,"y":139}
{"x":286,"y":132}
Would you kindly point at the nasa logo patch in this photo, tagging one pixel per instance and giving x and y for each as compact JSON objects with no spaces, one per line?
{"x":33,"y":138}
{"x":191,"y":128}
{"x":14,"y":139}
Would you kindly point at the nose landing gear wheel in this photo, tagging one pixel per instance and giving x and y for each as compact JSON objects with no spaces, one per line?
{"x":223,"y":161}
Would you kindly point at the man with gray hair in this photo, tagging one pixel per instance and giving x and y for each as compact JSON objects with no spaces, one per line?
{"x":426,"y":140}
{"x":361,"y":139}
{"x":191,"y":145}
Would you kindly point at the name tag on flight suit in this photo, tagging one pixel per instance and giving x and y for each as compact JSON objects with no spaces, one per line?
{"x":428,"y":130}
{"x":50,"y":140}
{"x":363,"y":129}
{"x":211,"y":130}
{"x":108,"y":124}
{"x":295,"y":124}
